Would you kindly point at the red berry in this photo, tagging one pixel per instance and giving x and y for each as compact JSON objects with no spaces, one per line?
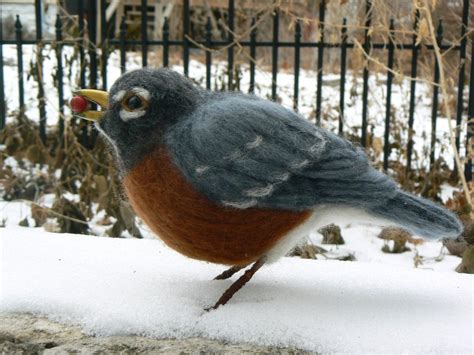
{"x":78,"y":104}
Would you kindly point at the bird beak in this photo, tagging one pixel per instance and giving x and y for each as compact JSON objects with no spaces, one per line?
{"x":98,"y":97}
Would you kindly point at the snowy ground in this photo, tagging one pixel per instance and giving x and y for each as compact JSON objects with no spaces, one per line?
{"x":378,"y":304}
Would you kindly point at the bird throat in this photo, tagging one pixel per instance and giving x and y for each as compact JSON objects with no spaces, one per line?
{"x":190,"y":223}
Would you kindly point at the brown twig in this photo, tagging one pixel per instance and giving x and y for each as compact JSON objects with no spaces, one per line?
{"x":50,"y":210}
{"x":385,"y":67}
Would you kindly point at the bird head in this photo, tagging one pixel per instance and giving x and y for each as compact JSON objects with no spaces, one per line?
{"x":139,"y":108}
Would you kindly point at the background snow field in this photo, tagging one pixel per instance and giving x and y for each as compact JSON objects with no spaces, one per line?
{"x":128,"y":286}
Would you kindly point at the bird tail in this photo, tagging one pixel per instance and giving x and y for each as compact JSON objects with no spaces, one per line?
{"x":420,"y":216}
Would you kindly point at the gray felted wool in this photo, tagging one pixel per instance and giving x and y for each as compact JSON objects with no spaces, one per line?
{"x":245,"y":152}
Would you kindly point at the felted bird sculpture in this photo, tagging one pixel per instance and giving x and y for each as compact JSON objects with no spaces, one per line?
{"x":234,"y":179}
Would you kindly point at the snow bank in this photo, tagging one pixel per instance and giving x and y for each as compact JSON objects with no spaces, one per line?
{"x":126,"y":286}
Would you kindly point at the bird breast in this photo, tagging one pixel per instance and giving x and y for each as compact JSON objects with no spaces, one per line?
{"x":190,"y":223}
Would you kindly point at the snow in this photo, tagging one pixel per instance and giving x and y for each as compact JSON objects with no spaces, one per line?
{"x":447,"y":191}
{"x":127,"y":286}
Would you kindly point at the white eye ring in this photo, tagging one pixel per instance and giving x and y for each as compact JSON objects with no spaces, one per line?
{"x":143,"y":93}
{"x":119,"y":96}
{"x":130,"y":115}
{"x":127,"y":113}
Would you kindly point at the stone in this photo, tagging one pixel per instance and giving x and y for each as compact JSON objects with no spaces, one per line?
{"x":398,"y":236}
{"x":30,"y":334}
{"x":467,"y":263}
{"x":331,"y":234}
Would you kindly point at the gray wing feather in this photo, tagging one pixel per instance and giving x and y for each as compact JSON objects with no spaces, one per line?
{"x":245,"y":152}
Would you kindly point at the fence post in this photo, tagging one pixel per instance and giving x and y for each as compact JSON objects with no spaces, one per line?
{"x":253,"y":54}
{"x":462,"y":65}
{"x":230,"y":50}
{"x":59,"y":76}
{"x":365,"y":92}
{"x":19,"y":57}
{"x":322,"y":11}
{"x":208,"y":52}
{"x":82,"y":74}
{"x":434,"y":107}
{"x":39,"y":70}
{"x":185,"y":37}
{"x":296,"y":86}
{"x":166,"y":45}
{"x":276,"y":25}
{"x":342,"y":87}
{"x":144,"y":11}
{"x":388,"y":104}
{"x":82,"y":57}
{"x":92,"y":51}
{"x":92,"y":28}
{"x":122,"y":33}
{"x":470,"y":121}
{"x":104,"y":44}
{"x":3,"y":108}
{"x":411,"y":110}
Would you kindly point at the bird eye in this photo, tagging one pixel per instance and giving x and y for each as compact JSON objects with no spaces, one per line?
{"x":133,"y":103}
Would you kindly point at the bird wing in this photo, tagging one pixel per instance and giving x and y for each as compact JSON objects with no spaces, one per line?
{"x":244,"y":152}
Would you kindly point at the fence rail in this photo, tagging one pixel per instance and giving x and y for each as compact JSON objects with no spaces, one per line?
{"x":187,"y":43}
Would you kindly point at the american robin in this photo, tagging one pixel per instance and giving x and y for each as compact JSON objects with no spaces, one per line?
{"x":234,"y":179}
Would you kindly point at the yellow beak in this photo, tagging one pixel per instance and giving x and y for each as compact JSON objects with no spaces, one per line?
{"x":98,"y":97}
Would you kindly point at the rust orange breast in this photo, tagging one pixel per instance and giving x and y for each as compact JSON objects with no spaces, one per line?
{"x":190,"y":223}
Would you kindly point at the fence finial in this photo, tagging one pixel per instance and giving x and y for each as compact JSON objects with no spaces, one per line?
{"x":18,"y":22}
{"x":439,"y":32}
{"x":58,"y":24}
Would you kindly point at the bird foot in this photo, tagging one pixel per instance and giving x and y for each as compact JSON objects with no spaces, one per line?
{"x":237,"y":285}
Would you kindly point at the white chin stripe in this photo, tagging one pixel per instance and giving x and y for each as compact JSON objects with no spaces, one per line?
{"x":130,"y":115}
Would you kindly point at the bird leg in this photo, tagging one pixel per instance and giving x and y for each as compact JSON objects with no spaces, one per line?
{"x":237,"y":285}
{"x":229,"y":272}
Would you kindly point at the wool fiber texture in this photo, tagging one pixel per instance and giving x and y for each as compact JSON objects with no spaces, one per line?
{"x":171,"y":98}
{"x":193,"y":225}
{"x":242,"y":152}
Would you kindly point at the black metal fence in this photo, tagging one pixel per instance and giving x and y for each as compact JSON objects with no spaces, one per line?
{"x":98,"y":62}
